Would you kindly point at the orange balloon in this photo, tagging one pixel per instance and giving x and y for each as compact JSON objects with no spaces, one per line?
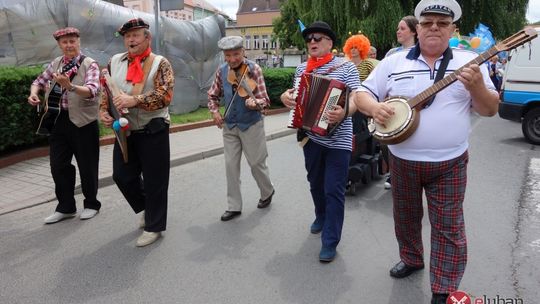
{"x":475,"y":42}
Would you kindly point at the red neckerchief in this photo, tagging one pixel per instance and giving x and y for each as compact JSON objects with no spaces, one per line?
{"x":135,"y":73}
{"x":317,"y":62}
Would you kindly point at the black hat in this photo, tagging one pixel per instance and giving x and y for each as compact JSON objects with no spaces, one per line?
{"x":319,"y":27}
{"x":133,"y":24}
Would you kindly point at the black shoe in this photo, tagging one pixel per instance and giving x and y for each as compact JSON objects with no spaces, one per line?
{"x":439,"y":298}
{"x":401,"y":270}
{"x":264,"y":203}
{"x":229,"y":215}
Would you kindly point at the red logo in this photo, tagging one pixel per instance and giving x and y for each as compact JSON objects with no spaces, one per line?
{"x":458,"y":297}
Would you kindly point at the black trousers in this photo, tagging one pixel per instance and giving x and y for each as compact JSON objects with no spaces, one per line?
{"x":144,"y":179}
{"x":68,"y":140}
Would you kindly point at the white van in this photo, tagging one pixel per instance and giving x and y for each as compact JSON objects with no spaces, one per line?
{"x":520,"y":89}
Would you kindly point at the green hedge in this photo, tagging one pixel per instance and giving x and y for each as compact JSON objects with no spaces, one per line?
{"x":277,"y":81}
{"x":18,"y":119}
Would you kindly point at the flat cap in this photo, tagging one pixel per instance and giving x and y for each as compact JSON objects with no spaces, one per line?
{"x":133,"y":24}
{"x":230,"y":43}
{"x":65,"y":32}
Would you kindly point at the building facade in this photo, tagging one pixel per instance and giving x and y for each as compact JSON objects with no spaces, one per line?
{"x":254,"y":23}
{"x":193,"y":10}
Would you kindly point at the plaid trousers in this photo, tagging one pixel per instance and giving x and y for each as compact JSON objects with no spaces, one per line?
{"x":444,"y":184}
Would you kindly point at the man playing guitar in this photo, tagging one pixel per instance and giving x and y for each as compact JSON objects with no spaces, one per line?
{"x":74,"y":129}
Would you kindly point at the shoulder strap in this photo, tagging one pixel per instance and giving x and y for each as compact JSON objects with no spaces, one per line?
{"x":81,"y":59}
{"x":138,"y":88}
{"x":440,"y":72}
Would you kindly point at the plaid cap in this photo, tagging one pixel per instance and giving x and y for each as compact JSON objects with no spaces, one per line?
{"x":133,"y":24}
{"x":66,"y":31}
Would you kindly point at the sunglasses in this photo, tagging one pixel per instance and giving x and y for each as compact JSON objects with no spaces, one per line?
{"x":440,"y":24}
{"x":315,"y":37}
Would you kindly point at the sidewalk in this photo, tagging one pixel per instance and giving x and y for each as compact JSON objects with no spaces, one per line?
{"x":29,"y":183}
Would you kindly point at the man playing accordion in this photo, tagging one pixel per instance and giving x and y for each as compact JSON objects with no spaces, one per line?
{"x":327,"y":157}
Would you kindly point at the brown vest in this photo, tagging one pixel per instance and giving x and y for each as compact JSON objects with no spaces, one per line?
{"x":82,"y":111}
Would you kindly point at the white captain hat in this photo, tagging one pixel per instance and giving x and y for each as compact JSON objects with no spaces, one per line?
{"x":442,"y":7}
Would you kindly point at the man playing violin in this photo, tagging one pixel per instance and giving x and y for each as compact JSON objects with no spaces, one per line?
{"x":240,"y":83}
{"x":76,"y":131}
{"x":434,"y":159}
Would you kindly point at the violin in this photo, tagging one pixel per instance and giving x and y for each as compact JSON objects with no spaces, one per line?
{"x":245,"y":86}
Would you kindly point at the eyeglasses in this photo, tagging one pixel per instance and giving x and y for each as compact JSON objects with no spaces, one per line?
{"x":440,"y":24}
{"x":315,"y":37}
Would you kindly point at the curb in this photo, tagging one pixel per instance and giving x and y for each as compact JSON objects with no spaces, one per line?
{"x":108,"y":181}
{"x":17,"y":157}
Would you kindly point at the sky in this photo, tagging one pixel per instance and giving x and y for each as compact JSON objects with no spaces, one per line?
{"x":231,"y":6}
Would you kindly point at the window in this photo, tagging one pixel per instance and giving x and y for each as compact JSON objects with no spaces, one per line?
{"x":264,"y":42}
{"x":256,"y":42}
{"x":248,"y":42}
{"x":273,"y":44}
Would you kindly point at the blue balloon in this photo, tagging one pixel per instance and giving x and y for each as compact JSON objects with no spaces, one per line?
{"x":116,"y":125}
{"x":453,"y":42}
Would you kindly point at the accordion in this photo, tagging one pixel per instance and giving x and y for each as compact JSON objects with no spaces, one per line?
{"x":315,"y":96}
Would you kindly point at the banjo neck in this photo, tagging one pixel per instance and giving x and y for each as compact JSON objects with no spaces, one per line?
{"x":419,"y":100}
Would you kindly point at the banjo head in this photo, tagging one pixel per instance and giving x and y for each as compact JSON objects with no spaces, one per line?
{"x":398,"y":122}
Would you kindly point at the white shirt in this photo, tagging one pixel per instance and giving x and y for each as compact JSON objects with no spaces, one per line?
{"x":444,"y":127}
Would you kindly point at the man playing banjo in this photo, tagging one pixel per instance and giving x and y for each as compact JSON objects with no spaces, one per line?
{"x":434,"y":158}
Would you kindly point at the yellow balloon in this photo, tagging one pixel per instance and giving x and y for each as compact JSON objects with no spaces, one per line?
{"x":475,"y":42}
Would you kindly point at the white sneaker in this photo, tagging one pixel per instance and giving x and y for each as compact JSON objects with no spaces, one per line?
{"x":387,"y":183}
{"x":88,"y":213}
{"x":57,"y":217}
{"x":142,"y":222}
{"x":147,"y":238}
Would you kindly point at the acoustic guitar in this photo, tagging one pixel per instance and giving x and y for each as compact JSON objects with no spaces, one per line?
{"x":49,"y":110}
{"x":407,"y":111}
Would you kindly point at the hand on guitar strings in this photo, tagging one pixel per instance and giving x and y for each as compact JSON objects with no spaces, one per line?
{"x":62,"y":80}
{"x":381,"y":112}
{"x":124,"y":101}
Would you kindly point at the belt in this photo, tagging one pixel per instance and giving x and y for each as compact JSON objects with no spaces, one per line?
{"x":141,"y":131}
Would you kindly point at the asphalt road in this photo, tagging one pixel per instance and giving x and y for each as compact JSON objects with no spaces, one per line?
{"x":269,"y":256}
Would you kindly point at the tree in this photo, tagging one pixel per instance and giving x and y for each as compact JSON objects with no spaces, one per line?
{"x":378,"y":19}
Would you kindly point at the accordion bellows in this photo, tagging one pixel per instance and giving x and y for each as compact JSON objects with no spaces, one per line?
{"x":315,"y":96}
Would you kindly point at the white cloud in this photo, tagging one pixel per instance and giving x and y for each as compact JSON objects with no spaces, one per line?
{"x":533,"y":13}
{"x":228,"y":6}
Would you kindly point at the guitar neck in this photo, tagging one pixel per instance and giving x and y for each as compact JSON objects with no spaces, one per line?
{"x":420,"y":99}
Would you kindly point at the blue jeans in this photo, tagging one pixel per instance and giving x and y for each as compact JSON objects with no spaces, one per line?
{"x":327,"y":175}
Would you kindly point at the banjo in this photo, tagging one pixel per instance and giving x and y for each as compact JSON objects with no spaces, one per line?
{"x":406,"y":116}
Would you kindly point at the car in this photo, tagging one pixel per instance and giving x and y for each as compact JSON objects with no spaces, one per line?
{"x":520,"y":89}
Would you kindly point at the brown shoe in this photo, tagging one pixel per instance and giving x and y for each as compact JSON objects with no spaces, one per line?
{"x":264,"y":203}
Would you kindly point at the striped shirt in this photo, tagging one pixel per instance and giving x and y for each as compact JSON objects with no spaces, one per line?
{"x":91,"y":79}
{"x":216,"y":90}
{"x":348,"y":74}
